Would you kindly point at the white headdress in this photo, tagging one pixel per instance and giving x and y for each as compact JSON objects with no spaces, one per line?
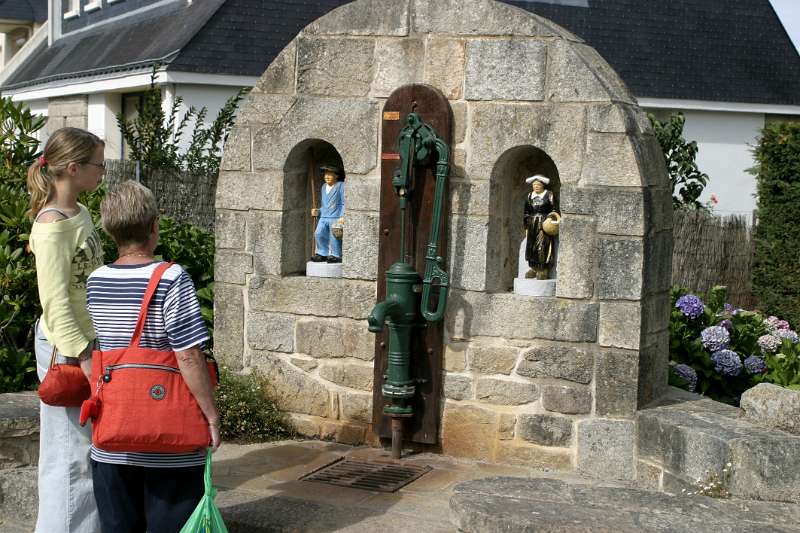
{"x":537,"y":177}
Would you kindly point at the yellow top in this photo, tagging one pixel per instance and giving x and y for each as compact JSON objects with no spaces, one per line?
{"x":66,"y":251}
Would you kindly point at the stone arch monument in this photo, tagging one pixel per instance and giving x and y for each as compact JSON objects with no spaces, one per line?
{"x":551,"y":381}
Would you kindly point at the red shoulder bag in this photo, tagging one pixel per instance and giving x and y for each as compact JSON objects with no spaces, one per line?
{"x":141,"y":402}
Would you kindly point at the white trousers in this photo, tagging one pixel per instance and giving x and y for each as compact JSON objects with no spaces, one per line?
{"x":66,"y":500}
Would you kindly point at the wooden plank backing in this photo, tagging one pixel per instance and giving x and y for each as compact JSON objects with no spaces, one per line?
{"x":427,"y":344}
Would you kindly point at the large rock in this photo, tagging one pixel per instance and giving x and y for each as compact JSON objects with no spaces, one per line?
{"x":621,"y":268}
{"x":547,"y":430}
{"x":506,"y":391}
{"x":505,"y":70}
{"x":469,"y":431}
{"x":319,"y":337}
{"x":335,"y":67}
{"x":492,"y":358}
{"x":349,"y":375}
{"x":229,"y":228}
{"x":552,"y":361}
{"x":606,"y":448}
{"x":279,"y":78}
{"x":773,"y":406}
{"x":524,"y":505}
{"x":444,"y":68}
{"x":511,"y":316}
{"x":19,"y":430}
{"x":370,"y":17}
{"x":300,"y":295}
{"x":616,"y":373}
{"x":556,"y":129}
{"x":295,"y":391}
{"x":271,"y":331}
{"x":398,"y":62}
{"x":577,"y":73}
{"x":360,"y":240}
{"x":482,"y":17}
{"x":576,"y":258}
{"x":457,"y":386}
{"x":229,"y":324}
{"x":693,"y":438}
{"x":350,"y":125}
{"x":620,"y":324}
{"x":567,"y":399}
{"x":355,"y":406}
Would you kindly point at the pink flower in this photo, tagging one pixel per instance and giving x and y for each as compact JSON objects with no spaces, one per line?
{"x":714,"y":199}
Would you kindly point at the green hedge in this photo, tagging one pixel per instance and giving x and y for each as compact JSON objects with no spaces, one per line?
{"x":776,"y":268}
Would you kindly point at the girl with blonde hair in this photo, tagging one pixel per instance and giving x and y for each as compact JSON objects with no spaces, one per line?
{"x":67,"y":249}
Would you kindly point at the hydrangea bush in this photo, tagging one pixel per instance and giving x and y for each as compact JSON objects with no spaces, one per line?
{"x":721,"y":351}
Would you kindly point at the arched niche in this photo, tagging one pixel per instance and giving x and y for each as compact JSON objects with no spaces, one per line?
{"x":302,"y":181}
{"x":507,"y":203}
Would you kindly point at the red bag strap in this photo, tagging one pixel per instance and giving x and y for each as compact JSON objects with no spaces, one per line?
{"x":148,"y":295}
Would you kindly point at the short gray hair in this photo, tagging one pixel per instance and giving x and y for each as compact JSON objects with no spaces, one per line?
{"x":128,"y":212}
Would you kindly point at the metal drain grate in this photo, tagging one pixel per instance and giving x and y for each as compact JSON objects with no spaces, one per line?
{"x":382,"y":477}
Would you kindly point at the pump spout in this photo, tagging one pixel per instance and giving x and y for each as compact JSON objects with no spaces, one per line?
{"x":377,"y":317}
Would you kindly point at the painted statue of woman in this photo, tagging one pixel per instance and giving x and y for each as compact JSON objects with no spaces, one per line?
{"x":539,"y":206}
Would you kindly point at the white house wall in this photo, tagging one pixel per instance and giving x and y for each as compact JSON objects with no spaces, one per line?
{"x":102,"y":121}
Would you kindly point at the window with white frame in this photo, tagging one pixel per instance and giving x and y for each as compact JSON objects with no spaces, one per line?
{"x":94,"y":5}
{"x":74,"y":9}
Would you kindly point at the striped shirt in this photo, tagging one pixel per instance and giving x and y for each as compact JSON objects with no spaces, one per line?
{"x":174,"y":322}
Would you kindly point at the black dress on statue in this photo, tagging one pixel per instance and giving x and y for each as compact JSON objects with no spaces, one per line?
{"x":539,"y":247}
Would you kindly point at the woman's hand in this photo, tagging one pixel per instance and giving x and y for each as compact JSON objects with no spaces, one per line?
{"x":216,"y":440}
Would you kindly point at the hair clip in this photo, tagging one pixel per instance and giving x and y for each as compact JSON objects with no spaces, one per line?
{"x":42,"y":161}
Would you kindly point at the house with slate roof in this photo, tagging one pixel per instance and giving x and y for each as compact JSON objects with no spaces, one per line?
{"x":728,"y":65}
{"x":19,"y":20}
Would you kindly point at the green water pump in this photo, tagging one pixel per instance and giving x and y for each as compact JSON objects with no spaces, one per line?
{"x":420,"y":147}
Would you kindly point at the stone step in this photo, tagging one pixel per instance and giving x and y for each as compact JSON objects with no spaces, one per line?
{"x":689,"y":437}
{"x":18,"y":497}
{"x":517,"y":505}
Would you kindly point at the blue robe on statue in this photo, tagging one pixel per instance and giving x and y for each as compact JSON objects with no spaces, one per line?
{"x":332,"y":209}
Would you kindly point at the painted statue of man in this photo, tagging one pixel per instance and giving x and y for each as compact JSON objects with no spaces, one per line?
{"x":331,"y":213}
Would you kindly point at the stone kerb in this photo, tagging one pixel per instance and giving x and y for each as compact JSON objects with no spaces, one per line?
{"x":330,"y":84}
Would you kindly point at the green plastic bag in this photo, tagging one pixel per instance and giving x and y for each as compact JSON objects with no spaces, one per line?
{"x":206,"y":517}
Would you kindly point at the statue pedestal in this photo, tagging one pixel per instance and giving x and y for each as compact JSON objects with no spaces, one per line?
{"x":323,"y":270}
{"x":535,"y":287}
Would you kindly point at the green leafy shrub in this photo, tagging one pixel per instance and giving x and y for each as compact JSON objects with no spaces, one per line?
{"x":19,"y":299}
{"x":154,"y":136}
{"x":776,"y":269}
{"x":247,"y":414}
{"x":680,"y":158}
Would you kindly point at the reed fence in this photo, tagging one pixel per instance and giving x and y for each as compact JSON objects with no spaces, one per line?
{"x":711,"y":250}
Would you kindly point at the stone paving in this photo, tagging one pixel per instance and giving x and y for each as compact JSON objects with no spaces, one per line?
{"x":259,"y":491}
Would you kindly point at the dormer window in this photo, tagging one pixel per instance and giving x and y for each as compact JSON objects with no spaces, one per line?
{"x":74,"y":9}
{"x":94,"y":5}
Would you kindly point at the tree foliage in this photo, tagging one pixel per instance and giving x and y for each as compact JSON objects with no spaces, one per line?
{"x":680,"y":158}
{"x":776,"y":265}
{"x":154,"y":136}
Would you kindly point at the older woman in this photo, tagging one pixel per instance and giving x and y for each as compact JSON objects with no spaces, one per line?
{"x":139,"y":491}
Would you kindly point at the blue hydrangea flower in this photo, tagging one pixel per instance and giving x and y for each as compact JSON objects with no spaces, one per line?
{"x":755,"y":365}
{"x":690,"y":305}
{"x":788,"y":334}
{"x":686,"y":373}
{"x":769,"y":343}
{"x":727,"y":362}
{"x":728,"y":308}
{"x":715,"y":338}
{"x":727,"y":324}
